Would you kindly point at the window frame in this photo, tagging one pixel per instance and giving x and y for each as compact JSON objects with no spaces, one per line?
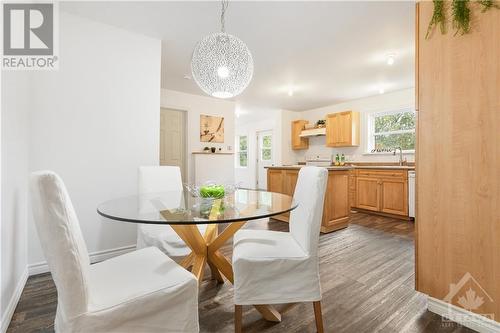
{"x":370,"y":131}
{"x":239,"y":151}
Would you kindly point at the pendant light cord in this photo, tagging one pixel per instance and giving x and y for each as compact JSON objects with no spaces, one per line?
{"x":224,"y":4}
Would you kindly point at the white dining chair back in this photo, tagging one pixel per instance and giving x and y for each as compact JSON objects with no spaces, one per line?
{"x":140,"y":291}
{"x":272,"y":267}
{"x":62,"y":241}
{"x":157,"y":179}
{"x":305,"y":220}
{"x":154,"y":179}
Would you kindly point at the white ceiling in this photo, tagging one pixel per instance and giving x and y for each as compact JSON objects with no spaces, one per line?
{"x":328,"y":51}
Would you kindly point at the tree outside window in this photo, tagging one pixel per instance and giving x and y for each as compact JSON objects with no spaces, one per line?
{"x":242,"y":153}
{"x":266,"y":148}
{"x":389,"y":130}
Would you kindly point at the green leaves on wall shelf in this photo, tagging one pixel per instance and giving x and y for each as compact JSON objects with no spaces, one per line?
{"x":460,"y":10}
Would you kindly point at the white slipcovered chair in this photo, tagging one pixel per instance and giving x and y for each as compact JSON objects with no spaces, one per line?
{"x":141,"y":291}
{"x":157,"y":179}
{"x":272,"y":267}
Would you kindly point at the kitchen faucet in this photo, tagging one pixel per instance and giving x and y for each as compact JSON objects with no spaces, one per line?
{"x":400,"y":155}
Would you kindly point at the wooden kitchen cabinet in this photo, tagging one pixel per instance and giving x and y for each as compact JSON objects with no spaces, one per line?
{"x":342,"y":129}
{"x":282,"y":180}
{"x":274,"y":180}
{"x":368,"y":193}
{"x":289,"y":181}
{"x":336,"y":210}
{"x":352,"y":188}
{"x":384,"y":191}
{"x":297,"y":141}
{"x":394,"y":197}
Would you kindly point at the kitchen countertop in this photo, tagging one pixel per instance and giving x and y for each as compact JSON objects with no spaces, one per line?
{"x":349,"y":167}
{"x":293,"y":167}
{"x":398,"y":167}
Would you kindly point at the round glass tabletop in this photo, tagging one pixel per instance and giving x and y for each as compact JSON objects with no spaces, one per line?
{"x":180,"y":207}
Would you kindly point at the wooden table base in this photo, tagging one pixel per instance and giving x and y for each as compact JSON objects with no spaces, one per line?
{"x":205,"y":251}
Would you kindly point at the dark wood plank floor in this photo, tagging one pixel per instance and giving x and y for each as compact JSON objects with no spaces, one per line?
{"x":367,"y":276}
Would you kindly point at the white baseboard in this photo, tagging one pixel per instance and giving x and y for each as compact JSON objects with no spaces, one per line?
{"x":42,"y":267}
{"x":463,"y":317}
{"x":11,"y":306}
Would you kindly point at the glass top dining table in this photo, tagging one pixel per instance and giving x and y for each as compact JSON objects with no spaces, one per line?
{"x":181,"y":208}
{"x":184,"y":212}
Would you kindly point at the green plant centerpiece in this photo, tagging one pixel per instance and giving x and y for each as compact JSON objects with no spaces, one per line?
{"x":211,"y":198}
{"x":212,"y":191}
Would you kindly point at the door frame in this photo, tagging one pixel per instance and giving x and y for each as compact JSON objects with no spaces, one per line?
{"x":186,"y":140}
{"x":257,"y":153}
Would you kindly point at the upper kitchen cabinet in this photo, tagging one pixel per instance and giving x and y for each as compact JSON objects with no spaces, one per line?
{"x":297,"y":141}
{"x":342,"y":129}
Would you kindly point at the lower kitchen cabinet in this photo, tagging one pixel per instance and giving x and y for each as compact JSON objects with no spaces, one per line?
{"x":352,"y":188}
{"x":336,"y":210}
{"x":394,"y":197}
{"x":289,"y":181}
{"x":274,"y":180}
{"x":384,"y":191}
{"x":368,"y":193}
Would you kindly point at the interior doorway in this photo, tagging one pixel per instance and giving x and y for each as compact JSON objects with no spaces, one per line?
{"x":264,"y":157}
{"x":173,"y":139}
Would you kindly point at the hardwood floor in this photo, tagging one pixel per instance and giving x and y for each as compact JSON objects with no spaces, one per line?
{"x":367,"y":276}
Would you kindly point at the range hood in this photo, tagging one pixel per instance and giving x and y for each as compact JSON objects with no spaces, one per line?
{"x":313,"y":132}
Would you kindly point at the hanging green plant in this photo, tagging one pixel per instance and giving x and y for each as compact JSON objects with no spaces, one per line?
{"x":488,"y":4}
{"x":438,"y":18}
{"x":461,"y":16}
{"x":460,"y":12}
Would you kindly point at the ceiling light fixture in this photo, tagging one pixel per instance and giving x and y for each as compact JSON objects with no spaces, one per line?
{"x":222,"y":64}
{"x":390,"y":59}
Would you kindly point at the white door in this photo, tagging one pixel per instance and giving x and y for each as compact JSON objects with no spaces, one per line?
{"x":264,"y":157}
{"x":173,"y":139}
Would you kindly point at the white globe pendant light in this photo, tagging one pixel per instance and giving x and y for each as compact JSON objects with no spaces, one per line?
{"x":222,"y":64}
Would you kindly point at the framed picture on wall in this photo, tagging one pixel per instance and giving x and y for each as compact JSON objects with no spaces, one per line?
{"x":211,"y":129}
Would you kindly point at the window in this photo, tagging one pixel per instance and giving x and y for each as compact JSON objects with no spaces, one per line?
{"x":242,"y":151}
{"x":390,"y":130}
{"x":266,"y":149}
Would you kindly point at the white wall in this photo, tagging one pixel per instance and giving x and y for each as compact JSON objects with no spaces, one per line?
{"x":14,"y":175}
{"x":288,"y":156}
{"x":196,"y":105}
{"x":95,"y":121}
{"x":385,"y":102}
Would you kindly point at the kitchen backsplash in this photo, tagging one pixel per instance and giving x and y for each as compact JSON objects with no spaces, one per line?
{"x":352,"y":154}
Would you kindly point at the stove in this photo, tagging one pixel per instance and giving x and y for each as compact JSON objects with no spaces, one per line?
{"x":319,"y":160}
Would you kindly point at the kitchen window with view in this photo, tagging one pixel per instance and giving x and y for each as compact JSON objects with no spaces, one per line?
{"x":242,"y":151}
{"x":390,"y":130}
